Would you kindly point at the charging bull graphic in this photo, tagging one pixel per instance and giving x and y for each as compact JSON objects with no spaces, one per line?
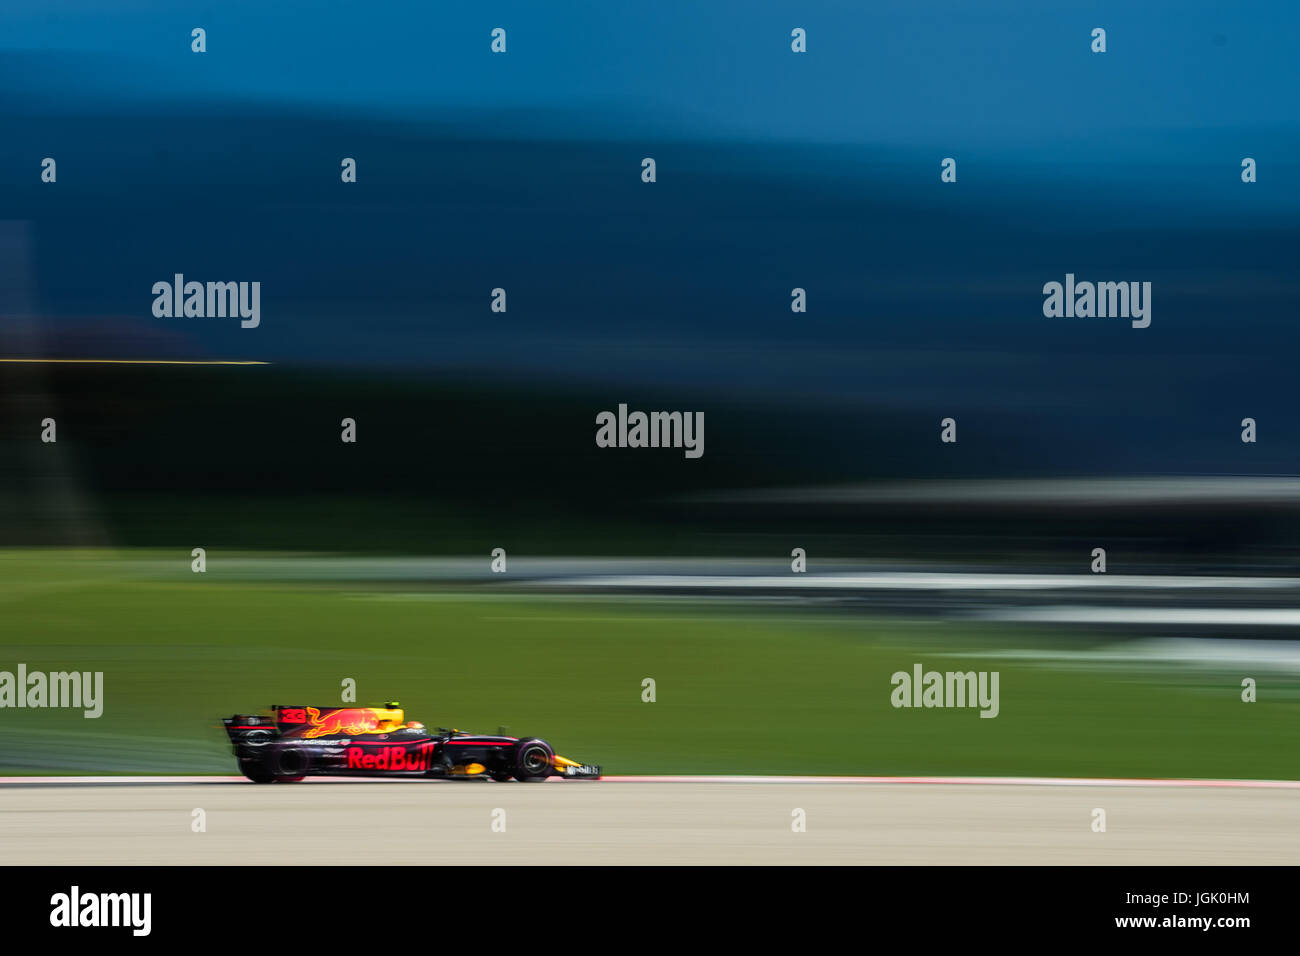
{"x":352,"y":721}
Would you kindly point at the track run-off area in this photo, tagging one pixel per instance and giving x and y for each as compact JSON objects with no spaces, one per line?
{"x":649,"y":820}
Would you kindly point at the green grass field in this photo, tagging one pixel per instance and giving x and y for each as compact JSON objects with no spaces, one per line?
{"x":740,"y":688}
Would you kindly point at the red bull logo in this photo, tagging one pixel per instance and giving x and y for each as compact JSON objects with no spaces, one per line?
{"x":349,"y":720}
{"x":390,"y":758}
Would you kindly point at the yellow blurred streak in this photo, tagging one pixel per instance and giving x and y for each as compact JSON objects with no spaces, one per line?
{"x":68,"y":361}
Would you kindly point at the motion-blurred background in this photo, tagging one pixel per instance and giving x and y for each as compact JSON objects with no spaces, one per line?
{"x":476,"y":429}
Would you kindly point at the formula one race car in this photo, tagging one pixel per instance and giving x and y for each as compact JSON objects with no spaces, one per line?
{"x":296,"y":742}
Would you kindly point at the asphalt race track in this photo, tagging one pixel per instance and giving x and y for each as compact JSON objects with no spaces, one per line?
{"x":630,"y":821}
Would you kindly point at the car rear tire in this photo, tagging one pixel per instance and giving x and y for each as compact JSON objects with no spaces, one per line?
{"x":291,"y":764}
{"x":257,"y":774}
{"x":534,"y":760}
{"x":276,"y":768}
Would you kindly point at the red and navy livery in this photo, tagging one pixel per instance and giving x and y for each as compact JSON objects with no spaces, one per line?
{"x":297,"y":742}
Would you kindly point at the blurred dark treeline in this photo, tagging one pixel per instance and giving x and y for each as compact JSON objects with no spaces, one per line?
{"x":251,"y":457}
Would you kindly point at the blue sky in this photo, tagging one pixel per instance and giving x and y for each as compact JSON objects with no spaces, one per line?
{"x":994,"y":74}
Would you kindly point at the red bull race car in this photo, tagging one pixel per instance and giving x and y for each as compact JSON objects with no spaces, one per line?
{"x":296,"y":742}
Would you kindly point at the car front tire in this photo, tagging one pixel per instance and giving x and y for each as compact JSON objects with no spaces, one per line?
{"x":534,"y":759}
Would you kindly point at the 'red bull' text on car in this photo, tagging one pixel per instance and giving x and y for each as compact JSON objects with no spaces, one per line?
{"x":297,"y":742}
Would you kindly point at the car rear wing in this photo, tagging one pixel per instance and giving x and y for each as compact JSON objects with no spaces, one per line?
{"x":249,"y":729}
